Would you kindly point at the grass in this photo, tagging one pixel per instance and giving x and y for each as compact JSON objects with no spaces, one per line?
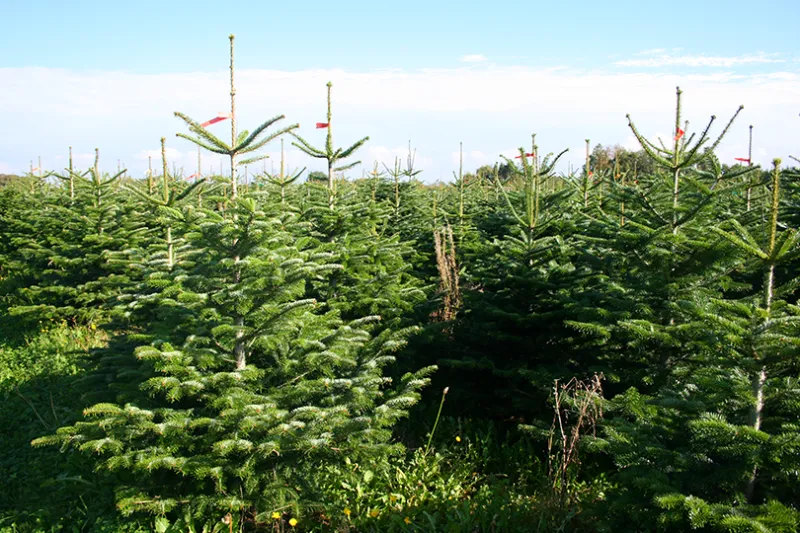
{"x":472,"y":476}
{"x":43,"y":489}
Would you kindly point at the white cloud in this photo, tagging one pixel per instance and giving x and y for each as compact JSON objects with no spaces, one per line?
{"x":473,"y":58}
{"x":489,"y":108}
{"x":662,"y":59}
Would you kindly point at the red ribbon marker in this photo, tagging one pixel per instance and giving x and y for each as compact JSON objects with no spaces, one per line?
{"x":219,"y":118}
{"x":680,"y":134}
{"x":192,"y":176}
{"x":321,"y":125}
{"x":742,"y":159}
{"x":526,"y":155}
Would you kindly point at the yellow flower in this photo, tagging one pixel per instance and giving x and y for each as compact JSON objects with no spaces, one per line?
{"x":458,"y":439}
{"x":94,"y":328}
{"x":407,"y":520}
{"x":392,"y":498}
{"x":347,"y":511}
{"x":293,"y":522}
{"x":374,"y":513}
{"x":276,"y":515}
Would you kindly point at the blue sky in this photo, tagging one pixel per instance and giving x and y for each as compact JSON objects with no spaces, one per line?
{"x":105,"y":74}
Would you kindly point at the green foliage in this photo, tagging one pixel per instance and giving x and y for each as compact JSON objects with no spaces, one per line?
{"x":44,"y":490}
{"x":262,"y":380}
{"x":57,"y":251}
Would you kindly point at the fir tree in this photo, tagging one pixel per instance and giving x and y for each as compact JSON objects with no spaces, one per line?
{"x":255,"y":382}
{"x":241,"y":144}
{"x":332,"y":155}
{"x":707,"y":428}
{"x":62,"y":251}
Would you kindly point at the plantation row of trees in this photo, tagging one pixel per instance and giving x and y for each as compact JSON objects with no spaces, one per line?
{"x":612,"y":350}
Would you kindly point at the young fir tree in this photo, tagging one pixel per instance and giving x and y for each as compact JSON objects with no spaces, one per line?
{"x":154,"y":267}
{"x":241,"y":143}
{"x":656,"y":252}
{"x":332,"y":155}
{"x":397,"y":174}
{"x":722,"y":431}
{"x":62,"y":250}
{"x":256,"y":383}
{"x":376,"y":276}
{"x":283,"y":181}
{"x":164,"y":208}
{"x":410,"y":216}
{"x":506,"y":341}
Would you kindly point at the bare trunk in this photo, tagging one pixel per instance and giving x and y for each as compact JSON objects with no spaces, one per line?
{"x":675,"y":183}
{"x":622,"y":219}
{"x":396,"y":192}
{"x":756,"y":414}
{"x":71,"y":179}
{"x":234,"y":189}
{"x":239,"y":348}
{"x":331,"y":185}
{"x":587,"y":174}
{"x":170,"y":250}
{"x":329,"y":150}
{"x":760,"y":379}
{"x":239,"y":351}
{"x":758,"y":383}
{"x":535,"y":165}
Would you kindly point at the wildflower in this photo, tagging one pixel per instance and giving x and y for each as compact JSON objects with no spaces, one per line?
{"x":458,"y":439}
{"x":407,"y":520}
{"x":374,"y":513}
{"x":94,"y":328}
{"x":293,"y":522}
{"x":347,"y":512}
{"x":276,"y":515}
{"x":392,"y":498}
